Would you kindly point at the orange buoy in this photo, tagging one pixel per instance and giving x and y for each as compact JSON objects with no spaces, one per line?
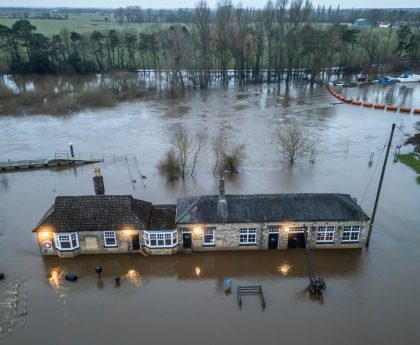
{"x":342,"y":98}
{"x":416,"y":111}
{"x":379,"y":106}
{"x":356,"y":102}
{"x":347,"y":100}
{"x":405,"y":110}
{"x":391,"y":107}
{"x":367,"y":104}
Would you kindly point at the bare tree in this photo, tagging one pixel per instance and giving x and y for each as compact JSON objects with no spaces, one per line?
{"x":294,"y":141}
{"x":182,"y":142}
{"x":218,"y":144}
{"x":199,"y":142}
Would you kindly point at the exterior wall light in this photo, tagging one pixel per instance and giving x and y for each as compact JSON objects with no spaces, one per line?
{"x":197,"y":230}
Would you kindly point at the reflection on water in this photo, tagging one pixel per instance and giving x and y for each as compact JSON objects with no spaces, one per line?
{"x":55,"y":277}
{"x":397,"y":94}
{"x":284,"y":269}
{"x":133,"y":277}
{"x":185,"y":292}
{"x":216,"y":266}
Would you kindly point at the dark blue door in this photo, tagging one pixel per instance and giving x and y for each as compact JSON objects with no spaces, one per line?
{"x":186,"y":240}
{"x":273,"y":241}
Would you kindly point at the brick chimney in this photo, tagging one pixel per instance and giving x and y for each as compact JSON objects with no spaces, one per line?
{"x":98,"y":182}
{"x":222,"y":209}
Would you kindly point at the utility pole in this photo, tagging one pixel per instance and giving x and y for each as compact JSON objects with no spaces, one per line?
{"x":372,"y":220}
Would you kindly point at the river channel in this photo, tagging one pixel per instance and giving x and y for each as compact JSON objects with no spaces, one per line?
{"x":371,"y":296}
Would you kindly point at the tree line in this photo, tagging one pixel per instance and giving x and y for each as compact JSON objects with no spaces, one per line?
{"x":279,"y":42}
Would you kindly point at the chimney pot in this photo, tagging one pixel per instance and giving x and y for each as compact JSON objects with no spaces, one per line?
{"x":98,"y":182}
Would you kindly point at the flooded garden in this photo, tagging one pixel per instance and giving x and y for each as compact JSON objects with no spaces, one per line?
{"x":371,"y":294}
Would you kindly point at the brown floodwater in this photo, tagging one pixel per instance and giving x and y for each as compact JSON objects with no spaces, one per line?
{"x":371,"y":296}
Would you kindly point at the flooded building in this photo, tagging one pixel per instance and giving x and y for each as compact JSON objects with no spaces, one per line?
{"x":92,"y":224}
{"x":106,"y":224}
{"x":271,"y":221}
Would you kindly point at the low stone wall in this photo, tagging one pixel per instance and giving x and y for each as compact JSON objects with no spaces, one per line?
{"x":162,"y":251}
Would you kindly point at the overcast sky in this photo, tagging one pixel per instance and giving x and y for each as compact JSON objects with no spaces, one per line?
{"x":191,"y":3}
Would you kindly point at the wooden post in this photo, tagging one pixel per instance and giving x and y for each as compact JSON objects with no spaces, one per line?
{"x":71,"y":150}
{"x":372,"y":220}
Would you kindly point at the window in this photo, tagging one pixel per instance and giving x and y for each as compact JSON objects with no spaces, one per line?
{"x":109,"y":239}
{"x":248,"y":236}
{"x":297,"y":229}
{"x":273,"y":229}
{"x":208,"y":238}
{"x":351,"y":233}
{"x":66,"y":241}
{"x":325,"y":234}
{"x":161,"y":239}
{"x":168,"y":239}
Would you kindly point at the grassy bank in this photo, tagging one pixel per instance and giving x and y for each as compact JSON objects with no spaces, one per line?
{"x":410,"y":160}
{"x":55,"y":96}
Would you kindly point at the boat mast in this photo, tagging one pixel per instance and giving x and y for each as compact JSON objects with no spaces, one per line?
{"x":372,"y":220}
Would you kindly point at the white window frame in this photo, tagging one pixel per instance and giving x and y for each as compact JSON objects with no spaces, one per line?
{"x":297,"y":229}
{"x":66,"y":237}
{"x":274,"y":229}
{"x":325,"y":231}
{"x":351,"y":230}
{"x":245,"y":234}
{"x":161,"y":239}
{"x":209,"y":232}
{"x":110,"y":235}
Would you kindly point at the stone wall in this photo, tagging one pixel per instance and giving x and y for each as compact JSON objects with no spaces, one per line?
{"x":227,"y":235}
{"x":226,"y":238}
{"x":90,"y":242}
{"x":162,"y":251}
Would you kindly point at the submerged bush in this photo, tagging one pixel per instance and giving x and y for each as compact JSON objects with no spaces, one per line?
{"x":233,"y":157}
{"x":169,"y":166}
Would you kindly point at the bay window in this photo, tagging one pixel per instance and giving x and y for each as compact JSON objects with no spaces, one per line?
{"x":66,"y":241}
{"x":161,"y":239}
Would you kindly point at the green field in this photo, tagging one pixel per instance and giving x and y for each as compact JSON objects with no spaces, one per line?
{"x":411,"y":161}
{"x":80,"y":24}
